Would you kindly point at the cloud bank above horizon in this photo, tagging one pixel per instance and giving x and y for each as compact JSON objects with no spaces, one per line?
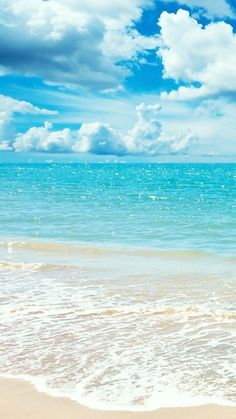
{"x":145,"y":138}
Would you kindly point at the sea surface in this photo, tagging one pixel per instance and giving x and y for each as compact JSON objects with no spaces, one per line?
{"x":118,"y":282}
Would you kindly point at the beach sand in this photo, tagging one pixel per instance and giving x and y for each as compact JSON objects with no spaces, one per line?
{"x":20,"y":400}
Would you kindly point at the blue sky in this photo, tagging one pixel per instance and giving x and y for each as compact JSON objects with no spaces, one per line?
{"x":137,"y":80}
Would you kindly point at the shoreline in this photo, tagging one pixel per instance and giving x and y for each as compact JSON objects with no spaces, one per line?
{"x":20,"y":400}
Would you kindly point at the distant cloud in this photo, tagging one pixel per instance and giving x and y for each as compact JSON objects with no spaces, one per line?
{"x":211,"y":8}
{"x":71,"y":42}
{"x":4,"y":146}
{"x":147,"y":138}
{"x":202,"y":58}
{"x":44,"y":140}
{"x":101,"y":139}
{"x":10,"y":106}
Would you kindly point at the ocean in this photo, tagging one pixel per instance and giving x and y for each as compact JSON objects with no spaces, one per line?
{"x":118,"y":282}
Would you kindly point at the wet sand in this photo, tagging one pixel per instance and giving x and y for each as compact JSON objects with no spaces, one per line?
{"x":20,"y":400}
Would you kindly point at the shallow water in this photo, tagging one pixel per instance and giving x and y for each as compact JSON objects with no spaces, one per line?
{"x":162,"y":206}
{"x":139,"y":319}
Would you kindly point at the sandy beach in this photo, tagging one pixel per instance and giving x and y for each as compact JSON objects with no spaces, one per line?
{"x":20,"y":400}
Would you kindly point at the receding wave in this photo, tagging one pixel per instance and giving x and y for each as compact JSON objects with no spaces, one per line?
{"x":19,"y":266}
{"x":95,"y":249}
{"x":27,"y":266}
{"x":165,"y":310}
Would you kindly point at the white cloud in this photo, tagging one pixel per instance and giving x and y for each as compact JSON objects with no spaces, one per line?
{"x":43,"y":140}
{"x":4,"y":146}
{"x":147,"y":138}
{"x":128,"y":44}
{"x":10,"y":106}
{"x":99,"y":138}
{"x":211,"y":8}
{"x":201,"y":57}
{"x":72,"y":43}
{"x":212,"y":121}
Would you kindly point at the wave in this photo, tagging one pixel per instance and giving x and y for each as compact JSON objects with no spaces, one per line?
{"x":27,"y":266}
{"x":102,"y":249}
{"x":168,"y":399}
{"x":20,"y":266}
{"x":188,"y":310}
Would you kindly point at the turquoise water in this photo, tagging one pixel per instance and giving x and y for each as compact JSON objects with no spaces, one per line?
{"x":171,"y":206}
{"x":118,"y":282}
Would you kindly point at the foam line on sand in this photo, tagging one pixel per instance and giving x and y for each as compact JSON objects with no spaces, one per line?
{"x":20,"y":400}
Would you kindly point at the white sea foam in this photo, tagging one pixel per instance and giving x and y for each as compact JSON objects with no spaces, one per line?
{"x":120,"y":339}
{"x":168,"y":398}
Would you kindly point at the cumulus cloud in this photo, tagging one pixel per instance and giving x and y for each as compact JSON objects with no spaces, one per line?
{"x":98,"y":138}
{"x":10,"y":106}
{"x":147,"y":138}
{"x":44,"y":140}
{"x":203,"y":58}
{"x":71,"y":43}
